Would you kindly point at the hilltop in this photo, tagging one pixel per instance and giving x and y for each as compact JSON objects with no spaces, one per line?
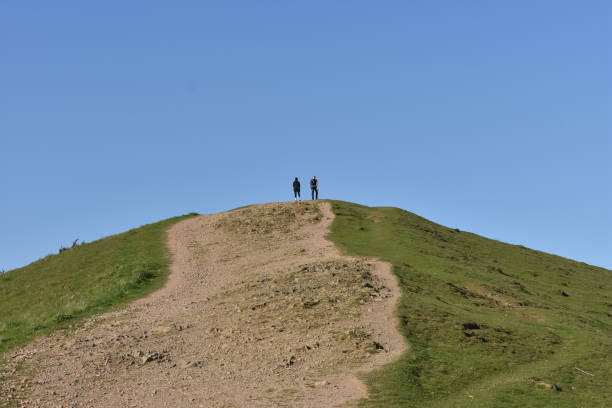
{"x":258,"y":308}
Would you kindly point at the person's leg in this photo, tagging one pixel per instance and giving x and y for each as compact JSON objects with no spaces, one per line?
{"x":298,"y":194}
{"x":317,"y":193}
{"x":312,"y":190}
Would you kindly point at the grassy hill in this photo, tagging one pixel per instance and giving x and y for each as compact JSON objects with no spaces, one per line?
{"x":488,"y":324}
{"x":57,"y":290}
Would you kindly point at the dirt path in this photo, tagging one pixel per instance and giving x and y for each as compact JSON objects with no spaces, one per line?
{"x":260,"y":311}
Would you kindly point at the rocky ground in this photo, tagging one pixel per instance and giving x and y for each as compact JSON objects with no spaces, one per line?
{"x":259,"y":311}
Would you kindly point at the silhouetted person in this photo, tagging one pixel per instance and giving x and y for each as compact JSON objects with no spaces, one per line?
{"x":314,"y":188}
{"x":296,"y":189}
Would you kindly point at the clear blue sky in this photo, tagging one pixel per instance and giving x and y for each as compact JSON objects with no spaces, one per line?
{"x":493,"y":117}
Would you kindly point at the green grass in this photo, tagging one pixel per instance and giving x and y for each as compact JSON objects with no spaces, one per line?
{"x":59,"y":290}
{"x":451,"y":279}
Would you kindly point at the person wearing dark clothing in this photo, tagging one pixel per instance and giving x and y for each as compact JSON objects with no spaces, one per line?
{"x":296,"y":189}
{"x":314,"y":188}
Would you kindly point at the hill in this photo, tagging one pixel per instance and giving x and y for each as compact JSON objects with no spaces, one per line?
{"x":487,"y":324}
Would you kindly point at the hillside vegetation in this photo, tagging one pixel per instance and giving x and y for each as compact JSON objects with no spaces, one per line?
{"x":488,"y":324}
{"x":81,"y":281}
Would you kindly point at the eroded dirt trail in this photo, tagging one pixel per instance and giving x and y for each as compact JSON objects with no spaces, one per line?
{"x":260,"y":311}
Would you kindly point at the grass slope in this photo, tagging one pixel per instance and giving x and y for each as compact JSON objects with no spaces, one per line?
{"x":482,"y":317}
{"x":90,"y":278}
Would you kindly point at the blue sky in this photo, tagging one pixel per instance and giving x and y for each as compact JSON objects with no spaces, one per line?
{"x":493,"y":117}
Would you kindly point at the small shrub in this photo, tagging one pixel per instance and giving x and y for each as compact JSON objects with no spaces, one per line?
{"x":62,"y":317}
{"x":143,"y":276}
{"x":75,"y":244}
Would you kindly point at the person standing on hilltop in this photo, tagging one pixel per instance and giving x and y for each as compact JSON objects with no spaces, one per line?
{"x":296,"y":189}
{"x":314,"y":188}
